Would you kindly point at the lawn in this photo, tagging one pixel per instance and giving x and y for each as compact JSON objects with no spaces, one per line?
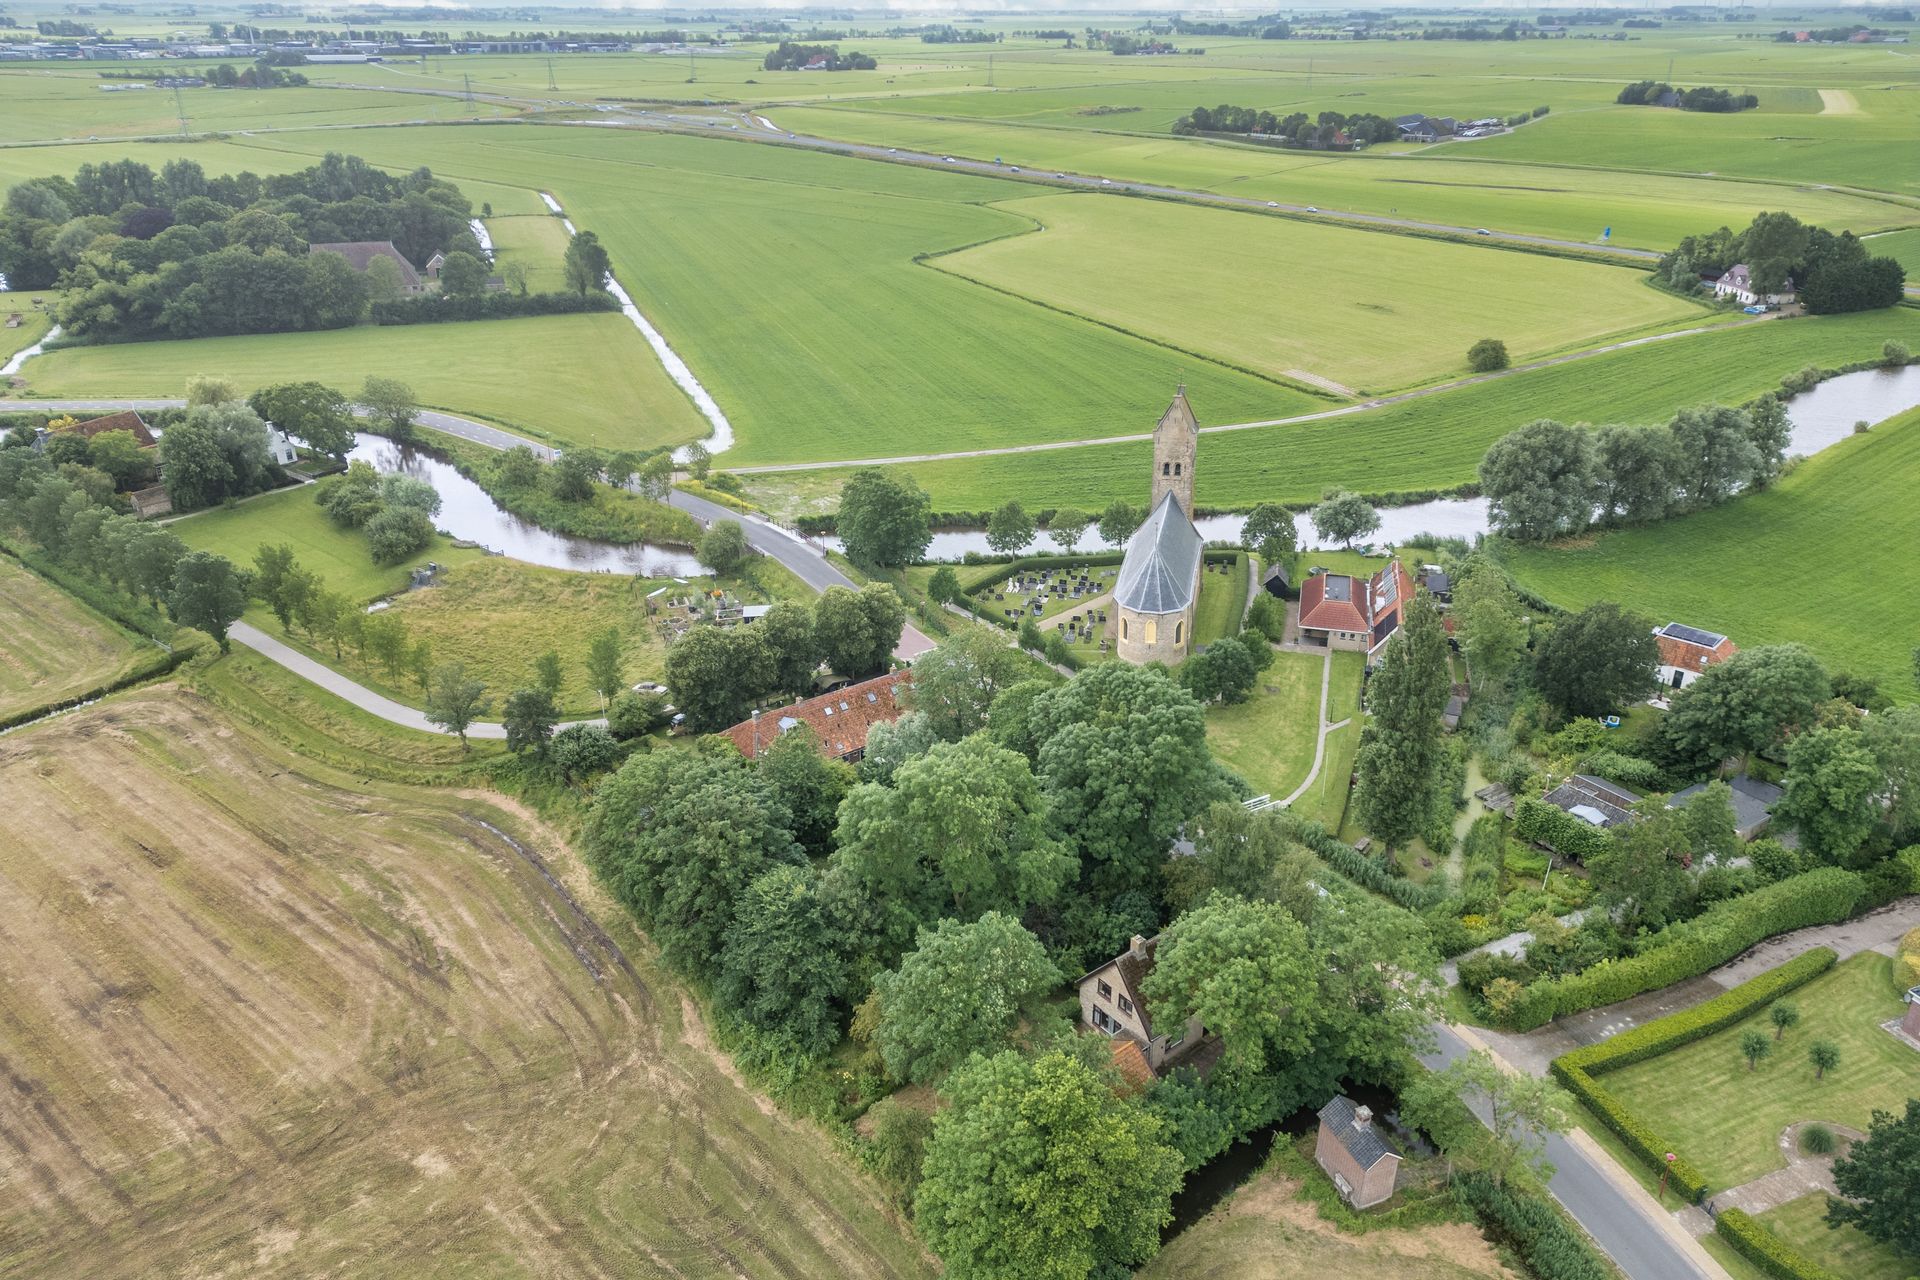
{"x":291,"y":516}
{"x":34,"y":324}
{"x":1433,"y":442}
{"x":1269,"y":739}
{"x":1289,"y":298}
{"x":1902,"y":245}
{"x":1734,"y":1144}
{"x":314,"y":1023}
{"x":1847,"y":1252}
{"x":1326,"y":800}
{"x":54,"y":646}
{"x":1808,"y":562}
{"x":1223,"y":600}
{"x":580,"y":379}
{"x":538,"y":241}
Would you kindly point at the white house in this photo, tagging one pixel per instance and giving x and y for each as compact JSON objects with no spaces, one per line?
{"x":280,"y":448}
{"x":1738,"y":284}
{"x":1687,"y":651}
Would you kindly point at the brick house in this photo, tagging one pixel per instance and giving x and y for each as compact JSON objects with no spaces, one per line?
{"x":1111,"y":1004}
{"x":1360,"y":1159}
{"x":1687,"y":651}
{"x":125,"y":420}
{"x":839,"y":720}
{"x":1342,"y":611}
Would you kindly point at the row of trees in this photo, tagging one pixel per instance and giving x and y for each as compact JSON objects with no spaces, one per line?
{"x":1832,"y":273}
{"x":795,"y":57}
{"x":1325,"y":129}
{"x":1548,"y":479}
{"x":1656,"y":93}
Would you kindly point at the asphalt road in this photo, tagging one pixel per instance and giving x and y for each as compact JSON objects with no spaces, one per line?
{"x":1644,"y":1249}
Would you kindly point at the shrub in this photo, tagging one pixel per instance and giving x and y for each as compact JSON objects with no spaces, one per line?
{"x":1895,"y":353}
{"x":1766,"y":1250}
{"x":1368,"y":873}
{"x":439,"y":308}
{"x":1906,"y":962}
{"x":1487,"y":355}
{"x":1551,"y":1248}
{"x":1541,"y":823}
{"x":1817,"y":1140}
{"x":1632,"y":772}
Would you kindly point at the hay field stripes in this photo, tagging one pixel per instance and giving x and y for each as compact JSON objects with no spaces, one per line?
{"x":52,"y":647}
{"x":285,"y":1024}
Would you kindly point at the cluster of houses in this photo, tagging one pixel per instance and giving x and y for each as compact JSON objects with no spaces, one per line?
{"x":154,"y":500}
{"x":362,"y":254}
{"x":1425,"y":128}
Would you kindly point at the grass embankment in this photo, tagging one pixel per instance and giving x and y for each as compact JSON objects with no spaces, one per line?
{"x":1283,"y":297}
{"x":291,"y":516}
{"x":1432,"y":442}
{"x":1736,"y":1144}
{"x":358,"y":1011}
{"x":33,"y":326}
{"x":52,"y":647}
{"x":1847,"y":1252}
{"x":1815,"y":561}
{"x":580,"y":379}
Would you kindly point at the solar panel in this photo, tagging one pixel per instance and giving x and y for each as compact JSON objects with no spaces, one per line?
{"x":1694,"y":635}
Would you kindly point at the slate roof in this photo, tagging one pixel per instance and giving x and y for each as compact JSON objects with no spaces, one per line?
{"x":1366,"y":1145}
{"x":125,"y":420}
{"x":361,"y":253}
{"x":840,"y":720}
{"x":1614,"y":804}
{"x":1161,"y":569}
{"x":1753,"y":800}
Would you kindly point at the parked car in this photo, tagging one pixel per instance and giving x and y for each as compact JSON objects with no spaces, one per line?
{"x":1757,"y":309}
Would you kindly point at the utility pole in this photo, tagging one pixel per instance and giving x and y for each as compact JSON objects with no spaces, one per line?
{"x":469,"y":83}
{"x":550,"y":81}
{"x":989,"y":71}
{"x":180,"y":109}
{"x":693,"y":71}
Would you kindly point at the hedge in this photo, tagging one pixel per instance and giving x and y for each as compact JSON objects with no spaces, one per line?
{"x":1823,"y":896}
{"x":1910,"y":859}
{"x":1766,"y":1250}
{"x":1368,"y":873}
{"x":1537,"y":821}
{"x":439,"y":308}
{"x":1576,"y":1070}
{"x":1551,"y":1248}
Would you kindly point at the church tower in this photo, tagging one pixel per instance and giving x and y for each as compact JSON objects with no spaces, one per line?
{"x":1176,"y":440}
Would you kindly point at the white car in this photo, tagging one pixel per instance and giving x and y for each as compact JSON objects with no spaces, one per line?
{"x":948,"y":159}
{"x":1014,"y":169}
{"x":1273,"y":204}
{"x":1106,"y":182}
{"x":893,"y":151}
{"x":1483,"y":232}
{"x":1313,"y":208}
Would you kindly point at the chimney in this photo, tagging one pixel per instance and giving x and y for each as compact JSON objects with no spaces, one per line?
{"x":1362,"y":1117}
{"x":1138,"y":948}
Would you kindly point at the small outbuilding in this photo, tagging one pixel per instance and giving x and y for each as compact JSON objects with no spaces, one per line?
{"x":1753,"y":802}
{"x":1279,"y":583}
{"x":1361,"y":1160}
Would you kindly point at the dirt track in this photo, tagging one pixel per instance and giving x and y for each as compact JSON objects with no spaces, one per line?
{"x":255,"y":1022}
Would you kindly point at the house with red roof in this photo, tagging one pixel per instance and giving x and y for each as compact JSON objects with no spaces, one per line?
{"x":1344,"y":611}
{"x":1111,"y":1003}
{"x":1687,"y":651}
{"x":839,"y":720}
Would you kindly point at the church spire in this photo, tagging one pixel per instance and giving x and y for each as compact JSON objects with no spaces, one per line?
{"x":1176,"y":442}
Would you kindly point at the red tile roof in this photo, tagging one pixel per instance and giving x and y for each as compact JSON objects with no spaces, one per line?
{"x":1370,"y":602}
{"x":125,"y":420}
{"x":1692,"y":657}
{"x":839,"y":720}
{"x":1132,"y":1065}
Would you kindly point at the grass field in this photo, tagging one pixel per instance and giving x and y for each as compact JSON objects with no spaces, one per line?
{"x":1269,"y":739}
{"x":538,"y":241}
{"x":51,"y":646}
{"x":339,"y":556}
{"x":34,"y":324}
{"x":1223,"y":602}
{"x":1284,"y":297}
{"x":1264,"y":1231}
{"x":1901,"y":245}
{"x":1736,"y":1144}
{"x":581,"y":379}
{"x":1432,"y":442}
{"x":312,"y":1023}
{"x":1807,"y":562}
{"x":1848,"y":1252}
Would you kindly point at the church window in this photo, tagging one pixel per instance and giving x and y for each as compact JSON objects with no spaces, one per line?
{"x":1176,"y":633}
{"x":1176,"y":468}
{"x":1123,"y":627}
{"x":1166,"y":468}
{"x":1152,"y":631}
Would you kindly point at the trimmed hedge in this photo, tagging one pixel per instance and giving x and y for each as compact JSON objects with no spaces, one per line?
{"x":1552,"y":1249}
{"x":1576,"y":1070}
{"x":1541,"y":823}
{"x":1766,"y":1250}
{"x":1368,"y":873}
{"x":439,"y":308}
{"x":1824,"y":896}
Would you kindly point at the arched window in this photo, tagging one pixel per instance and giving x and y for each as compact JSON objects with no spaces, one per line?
{"x":1176,"y":633}
{"x":1153,"y":629}
{"x":1166,"y":468}
{"x":1176,"y":468}
{"x":1123,"y":626}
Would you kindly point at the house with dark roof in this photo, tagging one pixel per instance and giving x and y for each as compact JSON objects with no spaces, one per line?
{"x":1278,"y":581}
{"x":1753,"y":803}
{"x":1594,"y":801}
{"x":1738,"y":284}
{"x":1363,"y":1162}
{"x":1159,"y":580}
{"x":1343,"y":611}
{"x":1687,"y":651}
{"x":361,"y":254}
{"x":1110,"y":1003}
{"x":839,"y":721}
{"x":125,"y":420}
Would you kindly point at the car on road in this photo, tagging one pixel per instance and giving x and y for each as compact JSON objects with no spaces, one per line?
{"x":1106,"y":182}
{"x":1482,"y":231}
{"x":948,"y":159}
{"x":1059,"y":175}
{"x":1273,"y":204}
{"x":1313,"y":208}
{"x":893,"y":151}
{"x":1013,"y":168}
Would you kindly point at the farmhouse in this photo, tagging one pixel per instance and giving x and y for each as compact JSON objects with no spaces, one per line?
{"x":1110,"y":1003}
{"x":360,"y":255}
{"x":1425,"y":128}
{"x":839,"y":720}
{"x":125,"y":420}
{"x":1357,"y":1156}
{"x":1753,"y":802}
{"x":1687,"y":651}
{"x":1159,"y":579}
{"x":1738,"y":284}
{"x":1594,"y":801}
{"x":1346,"y":612}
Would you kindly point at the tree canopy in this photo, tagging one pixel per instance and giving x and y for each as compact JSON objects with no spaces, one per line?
{"x":959,"y":991}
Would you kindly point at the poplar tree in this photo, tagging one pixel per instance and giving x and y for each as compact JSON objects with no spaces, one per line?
{"x":1400,"y":749}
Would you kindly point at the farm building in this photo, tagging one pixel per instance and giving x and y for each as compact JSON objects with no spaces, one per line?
{"x":1738,"y":284}
{"x":1110,"y":1003}
{"x":360,"y":254}
{"x":1687,"y":651}
{"x":1342,"y":611}
{"x":1594,"y":801}
{"x":1279,"y":582}
{"x":1159,"y":581}
{"x":1357,"y":1156}
{"x":839,"y":720}
{"x":1753,"y":802}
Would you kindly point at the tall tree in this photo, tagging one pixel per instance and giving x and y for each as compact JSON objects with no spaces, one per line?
{"x":1036,"y":1169}
{"x":310,"y":412}
{"x":1246,"y":970}
{"x":884,"y":519}
{"x":1540,"y":480}
{"x":1270,"y":532}
{"x":857,"y":631}
{"x":954,"y":686}
{"x":1641,"y":877}
{"x":586,"y":264}
{"x":1244,"y":854}
{"x":1010,"y":528}
{"x":1833,"y":786}
{"x":724,"y":548}
{"x":1068,"y":526}
{"x":1634,"y":473}
{"x":1398,"y":761}
{"x":1519,"y":1111}
{"x":1752,"y":702}
{"x":1893,"y":735}
{"x":1596,"y":661}
{"x":529,"y":716}
{"x":603,"y":664}
{"x":390,"y":404}
{"x":208,"y":593}
{"x":961,"y":990}
{"x":271,"y":567}
{"x":1714,"y":453}
{"x":808,"y":784}
{"x":787,"y":629}
{"x":1343,"y":516}
{"x":548,"y":673}
{"x":715,"y":674}
{"x":782,"y":969}
{"x":1118,"y":522}
{"x":1490,"y":622}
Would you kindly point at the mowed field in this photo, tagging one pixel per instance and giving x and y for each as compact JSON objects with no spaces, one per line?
{"x":579,"y":379}
{"x":1808,"y":562}
{"x":1367,"y":310}
{"x":51,"y":646}
{"x":264,"y":1020}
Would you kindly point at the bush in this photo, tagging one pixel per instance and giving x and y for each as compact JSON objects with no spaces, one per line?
{"x":437,"y":308}
{"x":1551,"y":1248}
{"x":1632,"y":772}
{"x":1895,"y":353}
{"x":1487,"y":355}
{"x":1537,"y":821}
{"x":1576,"y":1070}
{"x":1766,"y":1250}
{"x":633,"y":715}
{"x":1817,"y":1140}
{"x":1368,"y":873}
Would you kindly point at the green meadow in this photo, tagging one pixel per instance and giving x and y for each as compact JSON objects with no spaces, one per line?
{"x":580,"y":379}
{"x":1805,"y":563}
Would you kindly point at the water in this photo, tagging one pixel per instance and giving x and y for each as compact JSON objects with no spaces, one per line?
{"x":1825,"y":415}
{"x":25,"y":354}
{"x":467,"y":512}
{"x":479,"y":230}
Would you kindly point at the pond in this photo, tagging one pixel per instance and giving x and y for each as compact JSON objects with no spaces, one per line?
{"x":468,"y":513}
{"x":1821,"y":417}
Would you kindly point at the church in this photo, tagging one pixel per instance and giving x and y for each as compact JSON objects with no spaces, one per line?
{"x":1159,"y":580}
